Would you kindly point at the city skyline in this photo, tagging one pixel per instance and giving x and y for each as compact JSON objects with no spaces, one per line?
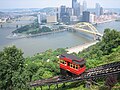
{"x":55,"y":3}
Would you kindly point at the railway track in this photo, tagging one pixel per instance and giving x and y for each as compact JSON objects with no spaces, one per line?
{"x":100,"y":71}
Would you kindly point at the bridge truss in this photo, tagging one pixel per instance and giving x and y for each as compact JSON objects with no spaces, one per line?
{"x":87,"y":28}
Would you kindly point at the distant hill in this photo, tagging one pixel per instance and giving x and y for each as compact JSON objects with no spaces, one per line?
{"x":2,"y":14}
{"x":48,"y":10}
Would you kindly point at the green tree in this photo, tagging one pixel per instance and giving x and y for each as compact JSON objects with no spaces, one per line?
{"x":45,"y":29}
{"x":11,"y":69}
{"x":110,"y":40}
{"x":31,"y":69}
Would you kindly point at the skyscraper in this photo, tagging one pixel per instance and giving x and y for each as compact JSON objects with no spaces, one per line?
{"x":66,"y":19}
{"x":39,"y":18}
{"x":84,"y":6}
{"x":58,"y":14}
{"x":69,"y":11}
{"x":77,"y":10}
{"x":64,"y":16}
{"x":76,"y":7}
{"x":62,"y":11}
{"x":101,"y":10}
{"x":81,"y":9}
{"x":92,"y":18}
{"x":97,"y":9}
{"x":73,"y":3}
{"x":86,"y":16}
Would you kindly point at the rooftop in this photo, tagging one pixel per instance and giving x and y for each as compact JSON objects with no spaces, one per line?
{"x":74,"y":58}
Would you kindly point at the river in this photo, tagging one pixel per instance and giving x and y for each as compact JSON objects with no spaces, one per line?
{"x":33,"y":45}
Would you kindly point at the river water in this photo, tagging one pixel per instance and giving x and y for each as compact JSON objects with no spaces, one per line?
{"x":33,"y":45}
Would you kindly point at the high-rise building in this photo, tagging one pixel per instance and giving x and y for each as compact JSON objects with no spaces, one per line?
{"x":77,"y":10}
{"x":58,"y":14}
{"x":64,"y":15}
{"x":81,"y":9}
{"x":97,"y":9}
{"x":101,"y":11}
{"x":51,"y":19}
{"x":62,"y":11}
{"x":73,"y":18}
{"x":84,"y":6}
{"x":73,"y":3}
{"x":39,"y":18}
{"x":69,"y":11}
{"x":66,"y":19}
{"x":92,"y":18}
{"x":86,"y":16}
{"x":75,"y":7}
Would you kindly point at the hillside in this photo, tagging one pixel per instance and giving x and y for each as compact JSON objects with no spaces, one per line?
{"x":2,"y":14}
{"x":17,"y":71}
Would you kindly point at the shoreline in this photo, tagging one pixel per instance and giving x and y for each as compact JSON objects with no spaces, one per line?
{"x":79,"y":48}
{"x":20,"y":36}
{"x":106,"y":21}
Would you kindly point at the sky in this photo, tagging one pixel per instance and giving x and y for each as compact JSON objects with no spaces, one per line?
{"x":5,"y":4}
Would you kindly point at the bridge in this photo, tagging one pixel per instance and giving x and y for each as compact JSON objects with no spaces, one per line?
{"x":85,"y":27}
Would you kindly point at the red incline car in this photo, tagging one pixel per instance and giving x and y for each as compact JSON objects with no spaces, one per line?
{"x":71,"y":65}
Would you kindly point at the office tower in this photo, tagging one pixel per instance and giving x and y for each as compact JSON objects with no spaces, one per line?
{"x":73,"y":18}
{"x":73,"y":3}
{"x":69,"y":11}
{"x":92,"y":18}
{"x":84,"y":6}
{"x":66,"y":18}
{"x":101,"y":11}
{"x":81,"y":9}
{"x":97,"y":9}
{"x":52,"y":19}
{"x":62,"y":11}
{"x":86,"y":16}
{"x":77,"y":10}
{"x":39,"y":18}
{"x":58,"y":14}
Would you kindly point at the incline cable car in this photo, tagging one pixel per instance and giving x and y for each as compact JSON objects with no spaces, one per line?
{"x":71,"y":65}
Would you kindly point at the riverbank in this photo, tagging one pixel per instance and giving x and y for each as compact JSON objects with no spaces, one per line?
{"x":19,"y":36}
{"x":79,"y":48}
{"x":106,"y":21}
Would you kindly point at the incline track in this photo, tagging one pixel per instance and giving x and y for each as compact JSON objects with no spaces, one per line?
{"x":100,"y":71}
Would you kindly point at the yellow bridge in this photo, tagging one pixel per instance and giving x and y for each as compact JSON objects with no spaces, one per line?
{"x":85,"y":27}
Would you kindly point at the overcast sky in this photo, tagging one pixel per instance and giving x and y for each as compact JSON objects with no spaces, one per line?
{"x":55,"y":3}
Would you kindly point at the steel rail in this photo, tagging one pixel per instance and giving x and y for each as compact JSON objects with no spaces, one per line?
{"x":100,"y":71}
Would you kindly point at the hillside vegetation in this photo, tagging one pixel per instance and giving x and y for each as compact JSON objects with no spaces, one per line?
{"x":105,"y":51}
{"x":16,"y":71}
{"x":32,"y":28}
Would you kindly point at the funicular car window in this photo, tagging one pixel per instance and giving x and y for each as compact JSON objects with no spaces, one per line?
{"x":63,"y":62}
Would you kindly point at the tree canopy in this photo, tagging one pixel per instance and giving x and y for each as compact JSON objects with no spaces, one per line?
{"x":11,"y":69}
